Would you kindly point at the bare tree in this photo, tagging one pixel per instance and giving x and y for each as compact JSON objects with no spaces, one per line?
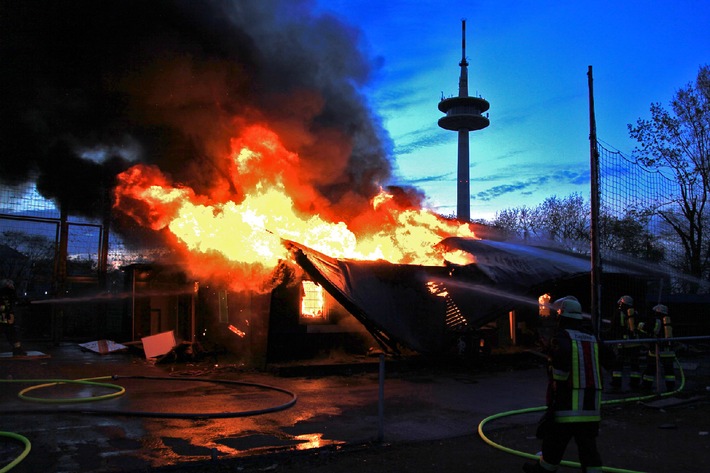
{"x":679,"y":141}
{"x":561,"y":220}
{"x":629,"y":236}
{"x":517,"y":222}
{"x":565,"y":220}
{"x":26,"y":257}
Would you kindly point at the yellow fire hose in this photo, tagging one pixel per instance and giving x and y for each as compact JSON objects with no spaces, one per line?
{"x":120,"y":390}
{"x":572,"y":464}
{"x":47,"y":383}
{"x":22,"y":439}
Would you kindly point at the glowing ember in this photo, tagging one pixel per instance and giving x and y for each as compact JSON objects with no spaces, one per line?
{"x":218,"y":231}
{"x":459,"y":257}
{"x":234,"y":329}
{"x":437,"y":289}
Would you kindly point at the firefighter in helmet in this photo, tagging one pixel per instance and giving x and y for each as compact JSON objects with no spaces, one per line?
{"x":659,"y":326}
{"x":624,"y":328}
{"x":8,"y":297}
{"x":574,"y":391}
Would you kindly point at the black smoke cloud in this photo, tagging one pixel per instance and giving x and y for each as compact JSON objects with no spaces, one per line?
{"x":161,"y":81}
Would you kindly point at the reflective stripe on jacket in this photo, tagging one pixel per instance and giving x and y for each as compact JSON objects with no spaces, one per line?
{"x":576,"y":374}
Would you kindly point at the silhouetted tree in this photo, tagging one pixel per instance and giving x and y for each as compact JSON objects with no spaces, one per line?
{"x":561,"y":220}
{"x":27,"y":257}
{"x":565,"y":219}
{"x":629,"y":236}
{"x":517,"y":223}
{"x":679,"y":141}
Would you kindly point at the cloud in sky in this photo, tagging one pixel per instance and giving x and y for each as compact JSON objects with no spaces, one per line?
{"x":448,"y":177}
{"x":419,"y":139}
{"x":524,"y":187}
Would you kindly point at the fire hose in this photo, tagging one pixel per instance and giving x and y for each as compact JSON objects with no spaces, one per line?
{"x":22,"y":439}
{"x":120,"y":390}
{"x":572,"y":464}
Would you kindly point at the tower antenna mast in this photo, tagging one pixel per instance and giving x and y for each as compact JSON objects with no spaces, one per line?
{"x":463,"y":114}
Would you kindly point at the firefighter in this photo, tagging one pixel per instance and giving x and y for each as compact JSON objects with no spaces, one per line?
{"x":7,"y":316}
{"x":574,"y":391}
{"x":659,"y":326}
{"x":624,"y":328}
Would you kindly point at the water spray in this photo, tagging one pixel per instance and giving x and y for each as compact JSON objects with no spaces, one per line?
{"x":105,"y":297}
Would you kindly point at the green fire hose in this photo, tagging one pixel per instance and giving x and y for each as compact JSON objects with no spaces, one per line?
{"x":572,"y":464}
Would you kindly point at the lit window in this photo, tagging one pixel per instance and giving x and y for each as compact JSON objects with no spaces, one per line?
{"x":312,"y":302}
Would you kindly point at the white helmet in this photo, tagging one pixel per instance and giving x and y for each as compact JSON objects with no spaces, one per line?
{"x":7,"y":284}
{"x":626,"y":300}
{"x":661,"y":309}
{"x":568,"y":307}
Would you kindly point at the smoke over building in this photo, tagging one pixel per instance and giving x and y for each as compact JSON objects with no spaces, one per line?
{"x":91,"y":88}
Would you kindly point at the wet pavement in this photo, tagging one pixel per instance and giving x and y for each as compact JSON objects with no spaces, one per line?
{"x":176,"y":413}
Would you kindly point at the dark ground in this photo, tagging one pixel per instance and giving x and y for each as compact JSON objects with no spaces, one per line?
{"x":665,"y":435}
{"x":633,"y":438}
{"x":662,"y":435}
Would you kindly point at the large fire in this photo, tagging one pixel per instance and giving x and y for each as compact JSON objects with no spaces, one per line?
{"x":241,"y":221}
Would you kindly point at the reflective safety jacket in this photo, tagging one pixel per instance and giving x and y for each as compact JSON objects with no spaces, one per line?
{"x":575,"y":390}
{"x":625,"y":326}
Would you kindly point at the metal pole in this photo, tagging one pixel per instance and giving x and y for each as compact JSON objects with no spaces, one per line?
{"x":653,"y":340}
{"x":381,"y":401}
{"x":193,"y":326}
{"x":594,"y":218}
{"x":658,"y":368}
{"x":133,"y":303}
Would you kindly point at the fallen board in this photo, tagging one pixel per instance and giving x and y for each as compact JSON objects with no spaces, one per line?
{"x":31,"y":355}
{"x":102,"y":347}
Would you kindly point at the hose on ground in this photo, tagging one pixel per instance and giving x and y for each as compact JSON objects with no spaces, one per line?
{"x":117,"y":412}
{"x":22,"y":439}
{"x":170,"y":415}
{"x":572,"y":464}
{"x":120,"y":390}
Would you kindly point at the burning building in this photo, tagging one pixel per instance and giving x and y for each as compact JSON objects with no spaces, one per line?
{"x":217,"y":131}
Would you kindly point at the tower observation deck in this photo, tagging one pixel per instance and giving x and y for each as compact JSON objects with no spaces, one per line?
{"x":463,"y":114}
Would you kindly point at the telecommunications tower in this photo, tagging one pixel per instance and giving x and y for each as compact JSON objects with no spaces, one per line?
{"x":463,"y":114}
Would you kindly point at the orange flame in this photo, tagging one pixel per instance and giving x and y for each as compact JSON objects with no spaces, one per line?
{"x":219,"y":231}
{"x":235,"y":330}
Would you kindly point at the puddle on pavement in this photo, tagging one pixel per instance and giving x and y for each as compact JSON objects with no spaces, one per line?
{"x":258,"y":442}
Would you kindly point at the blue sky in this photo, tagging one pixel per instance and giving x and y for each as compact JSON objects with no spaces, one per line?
{"x":529,"y":59}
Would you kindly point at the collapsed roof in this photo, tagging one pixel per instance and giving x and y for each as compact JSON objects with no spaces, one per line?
{"x":424,"y":307}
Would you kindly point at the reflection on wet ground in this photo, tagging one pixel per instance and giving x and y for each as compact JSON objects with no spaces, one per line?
{"x":166,"y":416}
{"x":170,"y":414}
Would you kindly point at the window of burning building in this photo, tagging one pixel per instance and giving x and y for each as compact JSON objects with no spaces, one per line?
{"x":313,"y":303}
